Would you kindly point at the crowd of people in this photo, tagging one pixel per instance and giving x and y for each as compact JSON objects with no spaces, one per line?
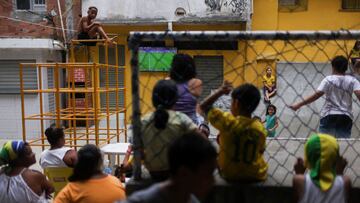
{"x":177,"y":153}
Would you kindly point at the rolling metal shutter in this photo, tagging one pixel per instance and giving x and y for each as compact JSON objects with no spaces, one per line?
{"x":210,"y":71}
{"x":51,"y":96}
{"x":112,"y":78}
{"x":10,"y":76}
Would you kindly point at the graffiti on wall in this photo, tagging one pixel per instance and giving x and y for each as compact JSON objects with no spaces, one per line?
{"x":214,"y":5}
{"x":234,"y":6}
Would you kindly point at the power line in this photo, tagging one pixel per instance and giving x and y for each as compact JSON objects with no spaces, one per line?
{"x":37,"y":24}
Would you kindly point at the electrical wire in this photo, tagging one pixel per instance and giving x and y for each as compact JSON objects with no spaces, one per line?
{"x":38,"y":24}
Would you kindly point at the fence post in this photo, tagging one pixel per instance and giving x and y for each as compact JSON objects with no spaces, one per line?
{"x":136,"y":111}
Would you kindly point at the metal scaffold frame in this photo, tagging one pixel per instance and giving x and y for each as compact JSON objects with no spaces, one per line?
{"x":92,"y":112}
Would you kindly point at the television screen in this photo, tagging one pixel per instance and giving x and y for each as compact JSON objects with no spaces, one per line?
{"x":156,"y":58}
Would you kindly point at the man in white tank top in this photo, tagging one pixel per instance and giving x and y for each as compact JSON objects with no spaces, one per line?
{"x":324,"y":181}
{"x":57,"y":155}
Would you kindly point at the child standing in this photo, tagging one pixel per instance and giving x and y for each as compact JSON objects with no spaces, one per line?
{"x":242,"y":138}
{"x":271,"y":121}
{"x":324,"y":181}
{"x":269,"y":84}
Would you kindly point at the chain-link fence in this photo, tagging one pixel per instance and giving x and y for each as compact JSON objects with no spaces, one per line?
{"x":299,"y":62}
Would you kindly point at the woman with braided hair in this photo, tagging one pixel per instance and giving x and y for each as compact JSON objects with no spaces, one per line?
{"x":18,"y":183}
{"x":161,"y":127}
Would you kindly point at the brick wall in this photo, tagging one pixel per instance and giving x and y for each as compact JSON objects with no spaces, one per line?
{"x":33,"y":24}
{"x":79,"y":75}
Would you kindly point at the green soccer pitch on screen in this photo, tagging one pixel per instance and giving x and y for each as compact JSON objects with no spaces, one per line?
{"x":156,"y":58}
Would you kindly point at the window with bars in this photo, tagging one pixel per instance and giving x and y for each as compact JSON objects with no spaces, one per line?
{"x":350,"y":4}
{"x":288,"y":2}
{"x":23,"y":4}
{"x":35,"y":5}
{"x":39,"y":2}
{"x":292,"y":5}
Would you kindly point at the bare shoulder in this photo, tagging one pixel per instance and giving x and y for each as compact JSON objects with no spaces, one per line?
{"x":195,"y":86}
{"x":33,"y":177}
{"x":195,"y":82}
{"x":70,"y":158}
{"x":84,"y":18}
{"x":71,"y":151}
{"x":35,"y":173}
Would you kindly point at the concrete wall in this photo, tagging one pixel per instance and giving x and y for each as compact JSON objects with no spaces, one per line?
{"x":10,"y":104}
{"x":164,"y":10}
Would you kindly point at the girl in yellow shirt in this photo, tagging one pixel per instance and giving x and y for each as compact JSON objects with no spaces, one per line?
{"x":269,"y":84}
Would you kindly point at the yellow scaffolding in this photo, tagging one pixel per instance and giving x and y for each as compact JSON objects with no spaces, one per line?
{"x":92,"y":111}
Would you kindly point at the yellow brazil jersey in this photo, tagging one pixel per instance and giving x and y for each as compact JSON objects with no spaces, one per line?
{"x":270,"y":81}
{"x":242,"y":143}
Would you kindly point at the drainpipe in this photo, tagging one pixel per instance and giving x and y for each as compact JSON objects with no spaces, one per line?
{"x":61,"y":21}
{"x":169,"y":26}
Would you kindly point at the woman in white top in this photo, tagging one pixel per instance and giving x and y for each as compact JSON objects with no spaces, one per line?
{"x":324,"y":182}
{"x":18,"y":183}
{"x":162,"y":127}
{"x":57,"y":155}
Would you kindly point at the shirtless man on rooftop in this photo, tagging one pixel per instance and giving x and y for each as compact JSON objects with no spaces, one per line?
{"x":89,"y":29}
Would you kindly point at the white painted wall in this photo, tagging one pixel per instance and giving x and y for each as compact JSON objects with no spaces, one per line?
{"x":10,"y":104}
{"x":165,"y":9}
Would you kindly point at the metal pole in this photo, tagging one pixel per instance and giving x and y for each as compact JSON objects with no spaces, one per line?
{"x":136,"y":118}
{"x":22,"y":102}
{"x":57,"y":95}
{"x":73,"y":104}
{"x":62,"y":22}
{"x":41,"y":107}
{"x":86,"y":102}
{"x":96,"y":103}
{"x":117,"y":94}
{"x":249,"y":35}
{"x":107,"y":92}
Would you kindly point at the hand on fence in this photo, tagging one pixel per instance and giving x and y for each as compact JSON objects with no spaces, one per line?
{"x":226,"y":87}
{"x":299,"y":166}
{"x":340,"y":165}
{"x":295,"y":107}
